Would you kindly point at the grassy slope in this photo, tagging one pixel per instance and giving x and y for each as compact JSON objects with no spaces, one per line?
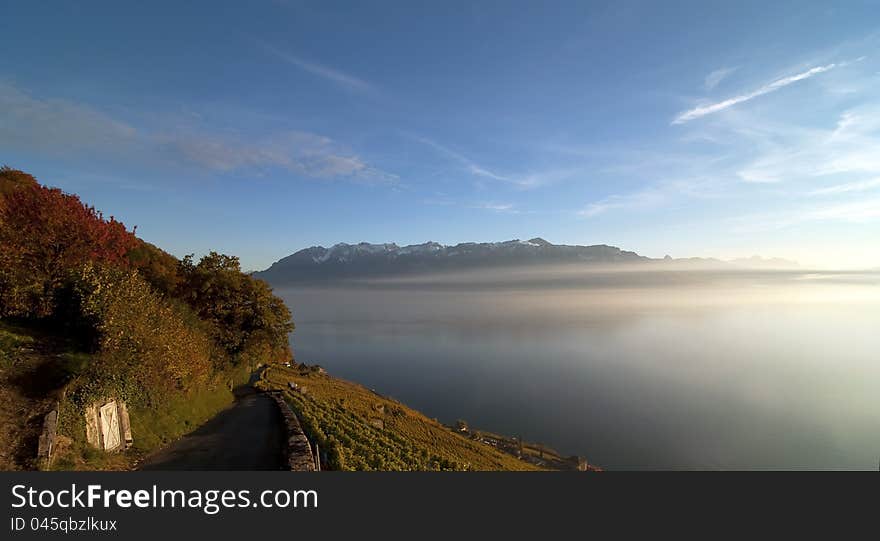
{"x":408,"y":440}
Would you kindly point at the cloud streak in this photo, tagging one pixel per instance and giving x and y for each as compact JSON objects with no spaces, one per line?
{"x":302,"y":153}
{"x":851,"y":212}
{"x":502,"y":208}
{"x":57,"y":126}
{"x":848,"y":187}
{"x":714,"y":79}
{"x":523,"y":181}
{"x":470,"y":166}
{"x":62,"y":128}
{"x":703,"y":110}
{"x":639,"y":200}
{"x":331,"y":74}
{"x":785,"y":152}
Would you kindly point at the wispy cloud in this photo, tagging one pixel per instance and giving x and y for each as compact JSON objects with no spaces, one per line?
{"x":709,"y":109}
{"x":326,"y":72}
{"x":787,"y":152}
{"x":791,"y":169}
{"x":57,"y":127}
{"x":525,"y":181}
{"x":505,"y":208}
{"x":713,"y":79}
{"x":661,"y":194}
{"x":491,"y":206}
{"x":848,"y":187}
{"x":852,"y":212}
{"x":638,"y":200}
{"x":485,"y":173}
{"x":470,"y":166}
{"x":303,"y":153}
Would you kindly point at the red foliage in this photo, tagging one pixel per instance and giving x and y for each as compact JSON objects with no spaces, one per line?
{"x":45,"y":233}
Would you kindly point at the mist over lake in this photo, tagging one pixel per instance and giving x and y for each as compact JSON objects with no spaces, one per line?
{"x":631,"y":368}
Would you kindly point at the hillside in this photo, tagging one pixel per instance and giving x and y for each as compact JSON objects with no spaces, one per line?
{"x":92,"y":314}
{"x":358,"y":429}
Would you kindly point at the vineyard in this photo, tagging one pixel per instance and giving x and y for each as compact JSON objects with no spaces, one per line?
{"x":356,"y":429}
{"x":351,"y":443}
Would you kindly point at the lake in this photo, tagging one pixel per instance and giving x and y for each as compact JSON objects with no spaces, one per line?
{"x":675,"y":370}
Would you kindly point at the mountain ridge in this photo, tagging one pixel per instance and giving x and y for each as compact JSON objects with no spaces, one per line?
{"x":366,"y":260}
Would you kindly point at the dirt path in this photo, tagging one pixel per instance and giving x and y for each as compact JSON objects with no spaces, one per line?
{"x":246,"y":436}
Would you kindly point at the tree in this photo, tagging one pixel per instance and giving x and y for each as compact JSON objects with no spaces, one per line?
{"x":248,"y":321}
{"x":13,"y":179}
{"x":44,"y":234}
{"x":157,"y":267}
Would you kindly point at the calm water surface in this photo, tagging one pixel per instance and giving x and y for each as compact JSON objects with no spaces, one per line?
{"x":748,"y":375}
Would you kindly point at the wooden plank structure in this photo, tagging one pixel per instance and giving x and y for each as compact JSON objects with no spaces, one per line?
{"x":108,"y":426}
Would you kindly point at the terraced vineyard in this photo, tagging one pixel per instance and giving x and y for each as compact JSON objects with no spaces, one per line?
{"x":351,"y":443}
{"x":356,"y":429}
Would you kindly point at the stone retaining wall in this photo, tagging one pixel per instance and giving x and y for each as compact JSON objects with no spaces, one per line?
{"x":298,"y":451}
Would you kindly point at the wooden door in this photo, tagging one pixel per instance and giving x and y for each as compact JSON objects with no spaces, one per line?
{"x":110,"y":426}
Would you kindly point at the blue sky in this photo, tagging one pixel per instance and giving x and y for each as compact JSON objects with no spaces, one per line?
{"x":693,"y":129}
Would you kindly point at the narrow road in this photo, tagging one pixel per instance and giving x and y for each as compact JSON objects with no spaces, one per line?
{"x":246,"y":436}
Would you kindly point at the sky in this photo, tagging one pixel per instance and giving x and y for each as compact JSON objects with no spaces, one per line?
{"x":714,"y":129}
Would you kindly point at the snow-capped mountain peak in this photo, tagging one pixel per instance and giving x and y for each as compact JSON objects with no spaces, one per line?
{"x":364,"y":259}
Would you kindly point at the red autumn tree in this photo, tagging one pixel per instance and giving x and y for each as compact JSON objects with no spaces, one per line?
{"x":44,"y":234}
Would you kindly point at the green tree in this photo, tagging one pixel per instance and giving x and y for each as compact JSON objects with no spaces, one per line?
{"x":248,"y":321}
{"x":157,"y":266}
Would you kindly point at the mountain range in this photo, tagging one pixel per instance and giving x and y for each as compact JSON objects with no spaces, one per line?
{"x":364,"y":260}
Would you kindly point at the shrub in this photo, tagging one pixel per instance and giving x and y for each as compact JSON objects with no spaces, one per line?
{"x":147,"y":346}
